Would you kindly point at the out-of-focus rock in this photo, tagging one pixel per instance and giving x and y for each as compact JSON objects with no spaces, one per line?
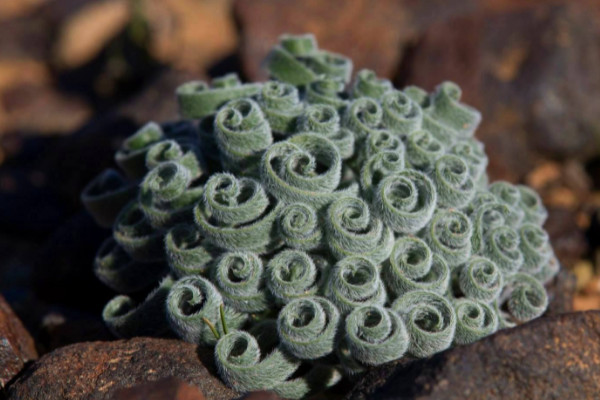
{"x":568,"y":239}
{"x":533,"y":72}
{"x":562,"y":197}
{"x":97,"y":370}
{"x":59,"y":327}
{"x":372,"y":33}
{"x":584,"y":273}
{"x":561,"y":292}
{"x":586,"y":302}
{"x":551,"y":357}
{"x":88,"y":30}
{"x":156,"y":102}
{"x":17,"y":8}
{"x":576,"y":177}
{"x":543,"y":175}
{"x":25,"y":38}
{"x":23,"y":71}
{"x":164,"y":389}
{"x":41,"y":110}
{"x":16,"y":345}
{"x":190,"y":34}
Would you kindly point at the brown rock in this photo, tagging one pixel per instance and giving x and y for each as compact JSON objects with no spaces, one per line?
{"x":165,"y":389}
{"x":534,"y":73}
{"x":543,"y":175}
{"x":552,"y":357}
{"x":568,"y":239}
{"x":561,"y":293}
{"x":41,"y":109}
{"x":371,"y":33}
{"x":18,"y":72}
{"x":156,"y":102}
{"x":88,"y":30}
{"x":190,"y":34}
{"x":25,"y":38}
{"x":17,"y":8}
{"x":96,"y":370}
{"x":16,"y":345}
{"x":61,"y":329}
{"x":586,"y":302}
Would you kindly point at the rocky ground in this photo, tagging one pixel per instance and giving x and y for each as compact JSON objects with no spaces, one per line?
{"x":77,"y":76}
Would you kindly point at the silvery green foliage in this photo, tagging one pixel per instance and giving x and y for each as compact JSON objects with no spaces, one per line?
{"x":309,"y":225}
{"x":430,"y":320}
{"x":474,"y":320}
{"x":292,"y":274}
{"x":239,"y":276}
{"x":190,"y":300}
{"x":375,"y":334}
{"x":307,"y":327}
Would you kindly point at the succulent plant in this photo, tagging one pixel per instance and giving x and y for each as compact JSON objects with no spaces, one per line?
{"x":308,"y":227}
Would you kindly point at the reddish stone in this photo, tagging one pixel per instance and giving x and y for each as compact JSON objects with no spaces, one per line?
{"x":97,"y":370}
{"x":262,"y":395}
{"x":16,"y":345}
{"x":165,"y":389}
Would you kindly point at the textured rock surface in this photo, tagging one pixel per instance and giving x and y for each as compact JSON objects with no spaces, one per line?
{"x":552,"y":357}
{"x":514,"y":66}
{"x":96,"y":370}
{"x":165,"y":389}
{"x":16,"y":345}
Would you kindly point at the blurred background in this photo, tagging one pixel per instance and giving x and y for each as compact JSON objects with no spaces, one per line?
{"x":77,"y":76}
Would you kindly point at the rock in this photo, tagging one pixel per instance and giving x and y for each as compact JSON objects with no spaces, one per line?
{"x":568,"y":239}
{"x":164,"y":389}
{"x":25,"y":38}
{"x":17,"y":8}
{"x":16,"y":345}
{"x":514,"y":64}
{"x":22,"y":72}
{"x":188,"y":34}
{"x":543,"y":175}
{"x":583,"y":270}
{"x":551,"y":357}
{"x":586,"y":302}
{"x":371,"y":33}
{"x":156,"y":101}
{"x":61,"y":327}
{"x":97,"y":370}
{"x":88,"y":30}
{"x":561,"y":292}
{"x":41,"y":109}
